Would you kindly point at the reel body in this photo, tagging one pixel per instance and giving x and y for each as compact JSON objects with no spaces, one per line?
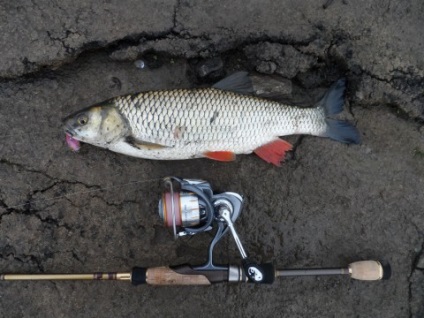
{"x":190,"y":207}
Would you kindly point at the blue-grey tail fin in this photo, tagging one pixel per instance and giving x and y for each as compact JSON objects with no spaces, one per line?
{"x":342,"y":131}
{"x":332,"y":103}
{"x":333,"y":100}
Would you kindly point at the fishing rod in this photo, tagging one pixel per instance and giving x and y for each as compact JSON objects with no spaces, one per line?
{"x":190,"y":207}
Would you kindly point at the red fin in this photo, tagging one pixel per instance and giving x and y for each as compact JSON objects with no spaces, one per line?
{"x":274,"y":152}
{"x":220,"y":155}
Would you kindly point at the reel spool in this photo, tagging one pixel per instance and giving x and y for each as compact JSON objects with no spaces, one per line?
{"x":189,"y":206}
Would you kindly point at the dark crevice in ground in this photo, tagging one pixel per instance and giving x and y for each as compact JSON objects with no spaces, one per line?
{"x":402,"y":114}
{"x":25,"y":168}
{"x":31,"y":202}
{"x":401,"y":81}
{"x":69,"y":50}
{"x":28,"y":210}
{"x":37,"y":260}
{"x":25,"y":259}
{"x":295,"y":145}
{"x":393,"y":108}
{"x":135,"y":40}
{"x":174,"y":17}
{"x":36,"y":70}
{"x":113,"y":204}
{"x":29,"y":207}
{"x":414,"y":268}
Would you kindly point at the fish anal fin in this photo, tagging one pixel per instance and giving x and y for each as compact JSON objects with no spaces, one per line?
{"x":140,"y":144}
{"x":274,"y":152}
{"x":220,"y":155}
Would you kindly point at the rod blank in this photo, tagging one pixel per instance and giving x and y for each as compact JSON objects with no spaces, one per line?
{"x":311,"y":272}
{"x":91,"y":276}
{"x":362,"y":270}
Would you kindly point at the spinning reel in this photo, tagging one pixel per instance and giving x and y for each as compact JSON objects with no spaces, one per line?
{"x":191,"y":208}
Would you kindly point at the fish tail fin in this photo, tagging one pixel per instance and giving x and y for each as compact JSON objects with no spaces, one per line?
{"x":342,"y":131}
{"x":333,"y":100}
{"x":332,"y":103}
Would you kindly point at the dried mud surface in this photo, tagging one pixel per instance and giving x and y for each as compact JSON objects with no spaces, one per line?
{"x":328,"y":205}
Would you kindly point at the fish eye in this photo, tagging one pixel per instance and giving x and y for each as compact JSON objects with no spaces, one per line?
{"x":82,"y":120}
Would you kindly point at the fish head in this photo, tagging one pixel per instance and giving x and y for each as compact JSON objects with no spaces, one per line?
{"x":100,"y":125}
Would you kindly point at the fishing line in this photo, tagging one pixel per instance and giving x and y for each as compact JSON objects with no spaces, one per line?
{"x":82,"y":192}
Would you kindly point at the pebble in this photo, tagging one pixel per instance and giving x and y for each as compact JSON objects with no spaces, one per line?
{"x":140,"y":64}
{"x":210,"y":65}
{"x":271,"y":86}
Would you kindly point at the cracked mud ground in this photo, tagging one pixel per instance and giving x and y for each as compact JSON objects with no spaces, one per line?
{"x":330,"y":204}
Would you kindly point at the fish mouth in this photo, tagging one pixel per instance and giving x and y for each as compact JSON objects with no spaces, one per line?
{"x":69,"y":130}
{"x":71,"y":141}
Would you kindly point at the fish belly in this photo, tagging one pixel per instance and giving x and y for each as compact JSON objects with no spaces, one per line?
{"x":188,"y":123}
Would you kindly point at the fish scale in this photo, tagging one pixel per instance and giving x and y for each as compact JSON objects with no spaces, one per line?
{"x":190,"y":122}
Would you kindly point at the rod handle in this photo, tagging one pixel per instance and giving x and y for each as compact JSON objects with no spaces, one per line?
{"x":164,"y":275}
{"x":369,"y":270}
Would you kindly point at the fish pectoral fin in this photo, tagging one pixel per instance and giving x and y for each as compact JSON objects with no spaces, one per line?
{"x":145,"y":145}
{"x":220,"y":155}
{"x":274,"y":152}
{"x":238,"y":82}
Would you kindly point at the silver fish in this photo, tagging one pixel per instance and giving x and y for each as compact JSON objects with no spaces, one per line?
{"x":216,"y":123}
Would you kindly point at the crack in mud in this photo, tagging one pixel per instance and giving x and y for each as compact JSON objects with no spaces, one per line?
{"x":36,"y":260}
{"x":411,"y":282}
{"x":25,"y":259}
{"x":28,"y":210}
{"x":174,"y":17}
{"x":25,"y":168}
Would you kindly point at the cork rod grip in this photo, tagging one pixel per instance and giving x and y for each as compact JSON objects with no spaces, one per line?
{"x":165,"y":276}
{"x":368,"y":270}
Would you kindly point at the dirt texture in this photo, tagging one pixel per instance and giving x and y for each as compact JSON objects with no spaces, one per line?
{"x":328,"y":205}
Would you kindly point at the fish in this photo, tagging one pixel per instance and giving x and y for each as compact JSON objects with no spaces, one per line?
{"x":218,"y":123}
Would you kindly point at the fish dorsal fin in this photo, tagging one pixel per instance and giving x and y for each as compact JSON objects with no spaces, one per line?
{"x":140,"y":144}
{"x":238,"y":82}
